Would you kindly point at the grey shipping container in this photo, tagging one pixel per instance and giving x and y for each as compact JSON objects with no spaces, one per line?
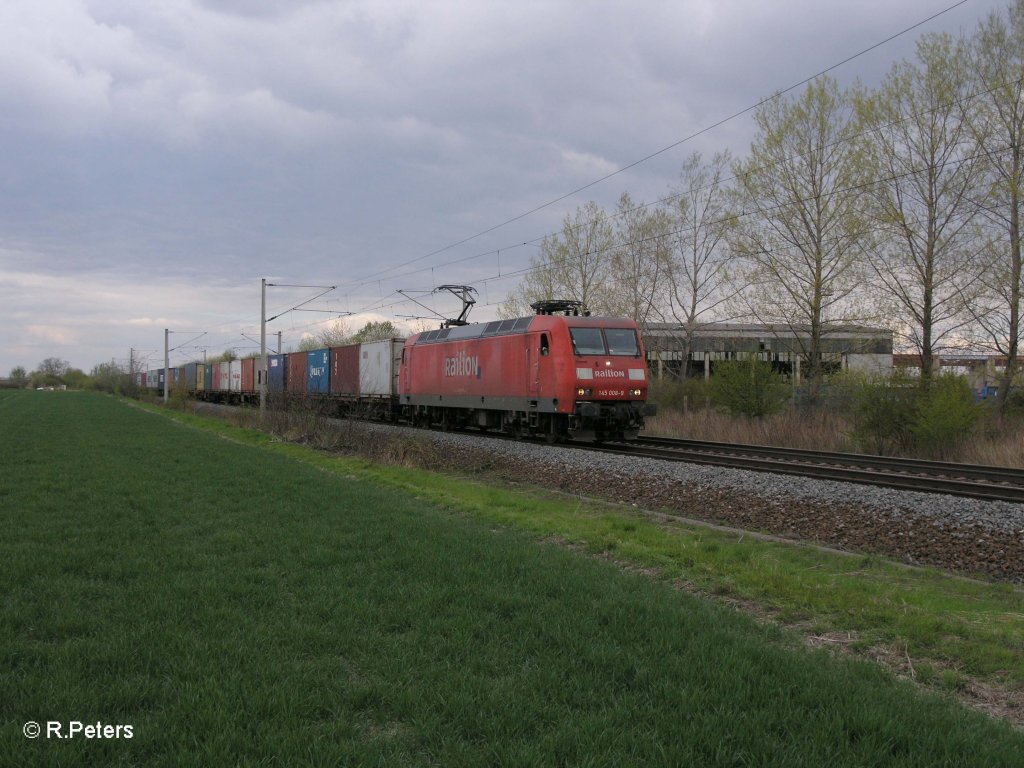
{"x":379,"y":362}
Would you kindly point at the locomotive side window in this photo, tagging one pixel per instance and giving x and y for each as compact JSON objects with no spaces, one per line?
{"x":544,"y":348}
{"x":622,"y":341}
{"x":587,"y":341}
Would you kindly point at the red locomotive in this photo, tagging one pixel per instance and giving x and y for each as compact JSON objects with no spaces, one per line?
{"x":557,"y":375}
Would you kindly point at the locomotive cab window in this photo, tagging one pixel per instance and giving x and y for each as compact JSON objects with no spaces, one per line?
{"x":587,"y":341}
{"x":622,"y":341}
{"x":544,"y":348}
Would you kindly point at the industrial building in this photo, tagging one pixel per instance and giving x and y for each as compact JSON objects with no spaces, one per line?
{"x":848,"y":347}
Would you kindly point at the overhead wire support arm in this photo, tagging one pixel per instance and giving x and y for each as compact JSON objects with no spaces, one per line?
{"x":324,"y":290}
{"x":167,"y":356}
{"x":420,"y":303}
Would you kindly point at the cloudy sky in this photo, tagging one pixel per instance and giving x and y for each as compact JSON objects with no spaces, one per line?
{"x":158,"y":158}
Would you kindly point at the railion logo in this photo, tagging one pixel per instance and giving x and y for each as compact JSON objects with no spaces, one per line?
{"x":602,"y":374}
{"x":462,"y":365}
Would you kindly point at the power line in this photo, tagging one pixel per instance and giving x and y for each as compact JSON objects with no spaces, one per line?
{"x":665,"y":149}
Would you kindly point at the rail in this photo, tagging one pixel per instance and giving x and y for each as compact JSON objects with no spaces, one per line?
{"x":968,"y":480}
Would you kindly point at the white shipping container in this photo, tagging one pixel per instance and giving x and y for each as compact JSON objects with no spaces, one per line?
{"x":236,"y":376}
{"x":379,"y":362}
{"x":221,"y":377}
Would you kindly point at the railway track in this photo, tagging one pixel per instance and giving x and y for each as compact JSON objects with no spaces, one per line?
{"x":964,"y":480}
{"x":970,"y":480}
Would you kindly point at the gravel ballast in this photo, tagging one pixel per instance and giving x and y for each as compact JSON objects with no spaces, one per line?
{"x":965,"y":535}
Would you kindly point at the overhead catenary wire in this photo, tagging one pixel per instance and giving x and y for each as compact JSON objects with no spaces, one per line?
{"x":377,"y":276}
{"x":729,"y":218}
{"x":960,"y":103}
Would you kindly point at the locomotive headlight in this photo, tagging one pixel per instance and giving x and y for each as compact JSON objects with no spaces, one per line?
{"x":584,"y":392}
{"x":635,"y":392}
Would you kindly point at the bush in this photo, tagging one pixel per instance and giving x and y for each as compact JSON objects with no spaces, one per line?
{"x":881,"y":411}
{"x":748,"y":387}
{"x":897,"y":414}
{"x":945,"y":415}
{"x":679,"y":394}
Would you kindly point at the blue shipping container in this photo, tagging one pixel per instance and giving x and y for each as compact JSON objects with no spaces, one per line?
{"x":190,"y":376}
{"x":277,"y":371}
{"x":318,"y":372}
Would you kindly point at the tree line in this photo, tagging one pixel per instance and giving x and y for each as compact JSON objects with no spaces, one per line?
{"x":897,"y":205}
{"x":55,"y":372}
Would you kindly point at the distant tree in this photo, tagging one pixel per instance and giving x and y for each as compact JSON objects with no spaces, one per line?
{"x":336,"y":334}
{"x":927,"y":169}
{"x":638,"y":260}
{"x":110,"y":377}
{"x":53,"y":367}
{"x":996,"y":119}
{"x":18,"y":377}
{"x":697,"y":259}
{"x":375,"y":331}
{"x":573,"y":264}
{"x":75,"y":378}
{"x":800,"y":235}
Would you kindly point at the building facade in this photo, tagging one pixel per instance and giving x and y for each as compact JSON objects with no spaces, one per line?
{"x":672,"y":350}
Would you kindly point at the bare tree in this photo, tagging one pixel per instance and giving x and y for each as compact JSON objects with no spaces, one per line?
{"x":53,"y":369}
{"x":18,"y":377}
{"x":996,"y":119}
{"x":638,"y":260}
{"x":800,"y":231}
{"x":335,"y":334}
{"x":697,"y":259}
{"x":374,"y":331}
{"x":927,"y":167}
{"x":573,"y":264}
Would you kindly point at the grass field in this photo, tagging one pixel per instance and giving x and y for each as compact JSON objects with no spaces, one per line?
{"x":239,"y":606}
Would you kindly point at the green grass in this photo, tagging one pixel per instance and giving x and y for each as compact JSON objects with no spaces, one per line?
{"x":954,"y":627}
{"x":239,"y":605}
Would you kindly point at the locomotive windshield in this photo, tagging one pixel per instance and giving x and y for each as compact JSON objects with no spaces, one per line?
{"x":622,"y":341}
{"x":587,"y":341}
{"x":610,"y":341}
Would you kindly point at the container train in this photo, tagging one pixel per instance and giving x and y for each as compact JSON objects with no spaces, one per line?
{"x":558,"y":376}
